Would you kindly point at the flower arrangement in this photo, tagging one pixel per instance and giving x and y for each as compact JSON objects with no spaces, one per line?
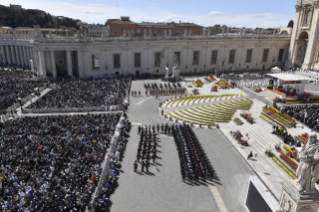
{"x":248,"y":117}
{"x":288,"y":158}
{"x":284,"y":163}
{"x":258,"y":90}
{"x":293,"y":152}
{"x":285,"y":169}
{"x":238,"y":121}
{"x":190,"y":86}
{"x":199,"y":83}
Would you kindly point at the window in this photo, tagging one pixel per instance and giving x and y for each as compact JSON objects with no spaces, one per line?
{"x":232,"y":56}
{"x":137,"y":60}
{"x":195,"y":58}
{"x":281,"y":55}
{"x":214,"y":57}
{"x":116,"y":60}
{"x":248,"y":55}
{"x":95,"y":61}
{"x":138,"y":31}
{"x":309,"y":14}
{"x":265,"y":55}
{"x":119,"y":31}
{"x":113,"y":31}
{"x":199,"y":33}
{"x":157,"y":59}
{"x":132,"y":31}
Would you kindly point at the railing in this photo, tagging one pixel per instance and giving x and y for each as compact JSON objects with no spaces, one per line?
{"x":135,"y":38}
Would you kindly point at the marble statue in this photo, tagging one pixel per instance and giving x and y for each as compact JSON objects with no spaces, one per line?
{"x":185,"y":32}
{"x":191,"y":32}
{"x":204,"y":31}
{"x":223,"y":31}
{"x":150,"y":33}
{"x":85,"y":34}
{"x":124,"y":33}
{"x":145,"y":33}
{"x":50,"y":34}
{"x":165,"y":32}
{"x":129,"y":33}
{"x":175,"y":68}
{"x":308,"y":169}
{"x":170,"y":32}
{"x":245,"y":32}
{"x":208,"y":31}
{"x":227,"y":31}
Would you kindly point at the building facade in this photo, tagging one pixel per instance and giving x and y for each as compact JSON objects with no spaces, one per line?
{"x":304,"y":48}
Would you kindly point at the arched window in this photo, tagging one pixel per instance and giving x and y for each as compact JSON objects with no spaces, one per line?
{"x":309,"y":14}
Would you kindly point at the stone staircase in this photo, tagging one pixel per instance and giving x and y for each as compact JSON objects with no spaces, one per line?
{"x":270,"y":95}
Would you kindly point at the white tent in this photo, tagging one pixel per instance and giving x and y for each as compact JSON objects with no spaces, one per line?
{"x":275,"y":70}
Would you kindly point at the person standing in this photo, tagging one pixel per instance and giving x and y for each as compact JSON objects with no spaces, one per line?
{"x":142,"y":167}
{"x":135,"y":166}
{"x":250,"y":155}
{"x":147,"y":164}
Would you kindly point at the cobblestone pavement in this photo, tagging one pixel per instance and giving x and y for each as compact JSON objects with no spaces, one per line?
{"x":164,"y":190}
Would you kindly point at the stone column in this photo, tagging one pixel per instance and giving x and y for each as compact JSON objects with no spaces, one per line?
{"x":4,"y":58}
{"x":294,"y":34}
{"x":256,"y":57}
{"x":102,"y":65}
{"x":108,"y":62}
{"x":21,"y":55}
{"x":69,"y":62}
{"x":25,"y":55}
{"x":53,"y":64}
{"x":42,"y":63}
{"x":87,"y":69}
{"x":80,"y":63}
{"x":8,"y":55}
{"x":13,"y":55}
{"x":17,"y":55}
{"x":28,"y":55}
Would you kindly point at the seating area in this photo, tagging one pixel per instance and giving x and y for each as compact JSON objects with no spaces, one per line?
{"x":52,"y":163}
{"x":208,"y":115}
{"x":190,"y":100}
{"x":85,"y":93}
{"x":194,"y":163}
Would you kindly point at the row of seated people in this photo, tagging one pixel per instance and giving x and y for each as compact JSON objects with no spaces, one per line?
{"x":52,"y":163}
{"x":85,"y":93}
{"x":193,"y":160}
{"x":307,"y":114}
{"x":285,"y":136}
{"x":103,"y":202}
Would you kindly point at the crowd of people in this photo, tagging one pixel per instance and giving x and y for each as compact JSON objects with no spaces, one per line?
{"x":13,"y":87}
{"x":85,"y":93}
{"x":52,"y":163}
{"x":309,"y":115}
{"x":164,"y":89}
{"x":193,"y":161}
{"x":146,"y":148}
{"x":286,"y":137}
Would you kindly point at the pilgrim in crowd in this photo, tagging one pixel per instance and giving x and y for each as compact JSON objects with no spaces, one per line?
{"x":286,"y":137}
{"x":309,"y":115}
{"x":85,"y":93}
{"x":12,"y":88}
{"x":193,"y":161}
{"x":52,"y":163}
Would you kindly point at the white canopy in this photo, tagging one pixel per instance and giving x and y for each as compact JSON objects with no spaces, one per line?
{"x":275,"y":70}
{"x":290,"y":77}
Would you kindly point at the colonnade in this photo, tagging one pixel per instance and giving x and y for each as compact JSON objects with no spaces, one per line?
{"x":17,"y":55}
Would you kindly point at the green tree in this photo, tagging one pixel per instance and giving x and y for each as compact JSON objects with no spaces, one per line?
{"x":291,"y":24}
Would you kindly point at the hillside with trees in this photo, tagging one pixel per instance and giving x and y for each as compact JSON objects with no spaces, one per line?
{"x":28,"y":18}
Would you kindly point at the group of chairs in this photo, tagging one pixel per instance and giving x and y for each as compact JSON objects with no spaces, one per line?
{"x":193,"y":161}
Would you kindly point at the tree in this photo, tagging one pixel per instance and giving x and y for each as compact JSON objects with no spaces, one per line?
{"x":291,"y":24}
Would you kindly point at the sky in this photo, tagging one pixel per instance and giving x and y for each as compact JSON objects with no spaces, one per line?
{"x":234,"y":13}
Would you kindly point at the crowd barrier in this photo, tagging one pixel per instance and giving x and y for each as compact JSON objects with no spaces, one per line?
{"x":107,"y":167}
{"x":72,"y":109}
